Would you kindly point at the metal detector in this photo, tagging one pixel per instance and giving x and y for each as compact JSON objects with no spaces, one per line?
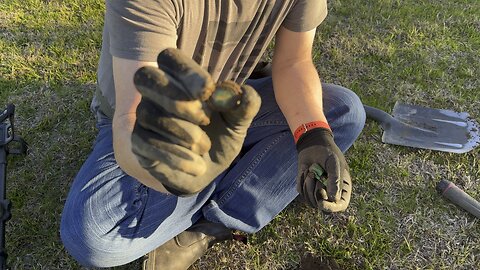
{"x":7,"y":136}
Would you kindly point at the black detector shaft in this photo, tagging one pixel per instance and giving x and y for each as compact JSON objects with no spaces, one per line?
{"x":7,"y":136}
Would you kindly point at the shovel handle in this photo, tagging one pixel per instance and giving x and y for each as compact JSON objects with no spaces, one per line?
{"x":379,"y":116}
{"x":459,"y":197}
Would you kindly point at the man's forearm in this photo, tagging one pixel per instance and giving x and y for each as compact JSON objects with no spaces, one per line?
{"x":127,"y":99}
{"x":122,"y":130}
{"x":298,"y":92}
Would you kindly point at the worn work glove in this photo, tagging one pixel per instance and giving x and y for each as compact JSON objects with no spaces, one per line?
{"x":188,"y":129}
{"x":319,"y":156}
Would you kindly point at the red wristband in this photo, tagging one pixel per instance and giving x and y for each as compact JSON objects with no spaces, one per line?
{"x":309,"y":126}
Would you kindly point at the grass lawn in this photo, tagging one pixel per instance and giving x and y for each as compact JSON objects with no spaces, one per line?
{"x":421,"y":52}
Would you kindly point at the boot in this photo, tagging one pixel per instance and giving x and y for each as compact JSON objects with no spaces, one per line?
{"x":180,"y":252}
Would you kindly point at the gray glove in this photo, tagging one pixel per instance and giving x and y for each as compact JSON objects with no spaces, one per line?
{"x":320,"y":159}
{"x":189,"y":130}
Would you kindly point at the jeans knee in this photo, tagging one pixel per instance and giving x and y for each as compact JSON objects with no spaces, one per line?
{"x":345,"y":113}
{"x":352,"y":112}
{"x":73,"y":240}
{"x":356,"y":112}
{"x":90,"y":248}
{"x":84,"y":239}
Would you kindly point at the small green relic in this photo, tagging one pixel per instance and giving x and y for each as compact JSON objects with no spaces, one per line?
{"x":226,"y":96}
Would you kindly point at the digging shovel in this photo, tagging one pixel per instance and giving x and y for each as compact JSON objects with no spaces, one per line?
{"x":421,"y":127}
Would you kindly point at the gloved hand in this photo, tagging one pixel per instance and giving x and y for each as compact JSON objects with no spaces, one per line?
{"x":317,"y":148}
{"x":188,"y":130}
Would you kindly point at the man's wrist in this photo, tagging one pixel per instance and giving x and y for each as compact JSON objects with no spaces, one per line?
{"x":304,"y":128}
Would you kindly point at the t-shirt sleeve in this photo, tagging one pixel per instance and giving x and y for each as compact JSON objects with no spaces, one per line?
{"x":305,"y":15}
{"x":140,"y":29}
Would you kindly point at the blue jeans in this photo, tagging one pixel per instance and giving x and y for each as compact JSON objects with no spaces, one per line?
{"x":111,"y":219}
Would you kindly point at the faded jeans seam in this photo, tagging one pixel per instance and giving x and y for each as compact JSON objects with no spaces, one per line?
{"x":268,"y":123}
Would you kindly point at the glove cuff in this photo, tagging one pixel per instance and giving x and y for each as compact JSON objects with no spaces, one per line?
{"x":304,"y":128}
{"x":317,"y":136}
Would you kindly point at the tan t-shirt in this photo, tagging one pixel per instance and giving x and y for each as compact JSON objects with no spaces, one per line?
{"x":226,"y":37}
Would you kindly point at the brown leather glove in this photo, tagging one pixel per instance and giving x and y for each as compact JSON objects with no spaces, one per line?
{"x":189,"y":130}
{"x":320,"y":159}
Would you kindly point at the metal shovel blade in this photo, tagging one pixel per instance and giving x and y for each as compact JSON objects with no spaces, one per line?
{"x":421,"y":127}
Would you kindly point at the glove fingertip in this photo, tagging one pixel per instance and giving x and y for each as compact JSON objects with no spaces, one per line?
{"x":251,"y":99}
{"x":241,"y":116}
{"x":329,"y":207}
{"x":334,"y":187}
{"x":148,"y":79}
{"x":322,"y":195}
{"x":334,"y":197}
{"x":196,"y":81}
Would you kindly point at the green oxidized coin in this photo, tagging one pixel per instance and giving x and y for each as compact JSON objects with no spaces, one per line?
{"x":226,"y":96}
{"x":317,"y":171}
